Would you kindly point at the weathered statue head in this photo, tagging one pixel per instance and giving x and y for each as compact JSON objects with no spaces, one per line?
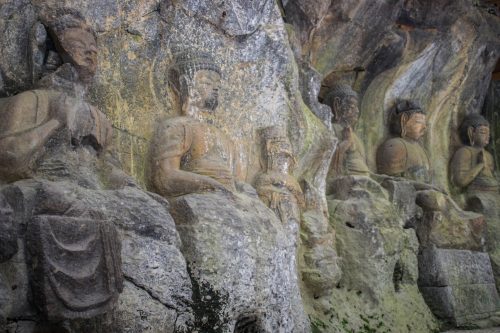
{"x":75,"y":41}
{"x":475,"y":131}
{"x":196,"y":77}
{"x":407,"y":120}
{"x":278,"y":150}
{"x":344,"y":103}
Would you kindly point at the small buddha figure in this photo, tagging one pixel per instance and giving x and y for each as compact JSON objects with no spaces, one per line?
{"x":276,"y":187}
{"x":53,"y":137}
{"x":403,"y":155}
{"x":188,"y":153}
{"x":349,"y":157}
{"x":472,"y":166}
{"x":471,"y":170}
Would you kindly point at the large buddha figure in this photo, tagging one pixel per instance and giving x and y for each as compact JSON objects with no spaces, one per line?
{"x":189,"y":154}
{"x":227,"y":229}
{"x":52,"y":141}
{"x":402,"y":155}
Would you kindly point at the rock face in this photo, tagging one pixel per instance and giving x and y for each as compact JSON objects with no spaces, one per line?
{"x":191,"y":264}
{"x":379,"y":259}
{"x":242,"y":265}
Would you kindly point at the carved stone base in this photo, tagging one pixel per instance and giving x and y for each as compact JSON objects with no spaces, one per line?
{"x":446,"y":226}
{"x":458,"y":285}
{"x":242,"y":264}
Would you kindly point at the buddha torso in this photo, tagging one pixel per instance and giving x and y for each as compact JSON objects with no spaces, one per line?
{"x":354,"y":160}
{"x":466,"y":158}
{"x":203,"y":148}
{"x":404,"y":158}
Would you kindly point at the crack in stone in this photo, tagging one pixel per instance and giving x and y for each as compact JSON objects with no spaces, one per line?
{"x":167,"y":305}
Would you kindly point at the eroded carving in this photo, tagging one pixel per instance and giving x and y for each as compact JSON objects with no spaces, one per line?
{"x":52,"y":135}
{"x":472,"y":165}
{"x":276,"y":187}
{"x":189,"y":154}
{"x":403,"y":155}
{"x":192,"y":163}
{"x":472,"y":171}
{"x":349,"y":157}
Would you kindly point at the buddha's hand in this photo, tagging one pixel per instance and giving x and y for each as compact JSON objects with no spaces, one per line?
{"x":347,"y":139}
{"x":480,"y":158}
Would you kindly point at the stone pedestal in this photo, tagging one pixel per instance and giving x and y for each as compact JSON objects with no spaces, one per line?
{"x":242,"y":264}
{"x":458,"y":285}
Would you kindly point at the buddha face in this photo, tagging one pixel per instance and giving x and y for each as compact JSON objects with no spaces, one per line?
{"x":346,"y":110}
{"x":480,"y":136}
{"x":281,"y":162}
{"x":415,"y":126}
{"x":80,"y":47}
{"x":204,"y":92}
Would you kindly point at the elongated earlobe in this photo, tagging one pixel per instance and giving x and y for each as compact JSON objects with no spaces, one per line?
{"x":403,"y":121}
{"x":470,"y":134}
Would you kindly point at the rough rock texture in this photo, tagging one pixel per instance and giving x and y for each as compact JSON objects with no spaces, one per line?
{"x":153,"y":266}
{"x":458,"y":285}
{"x":242,"y":264}
{"x":378,"y":289}
{"x":438,"y":52}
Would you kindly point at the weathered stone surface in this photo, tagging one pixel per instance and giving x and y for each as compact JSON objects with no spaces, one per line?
{"x":445,"y":225}
{"x":233,"y":17}
{"x":152,"y":263}
{"x":443,"y":267}
{"x":240,"y":263}
{"x":379,"y":258}
{"x":458,"y":285}
{"x":8,"y":231}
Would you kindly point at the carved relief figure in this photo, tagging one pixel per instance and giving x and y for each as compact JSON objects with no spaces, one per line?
{"x":189,"y":154}
{"x":276,"y":187}
{"x":53,"y":136}
{"x":192,"y":164}
{"x":471,"y":170}
{"x":472,"y":166}
{"x":349,"y":157}
{"x":403,"y":155}
{"x":445,"y":224}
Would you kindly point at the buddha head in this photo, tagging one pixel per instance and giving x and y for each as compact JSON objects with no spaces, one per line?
{"x":196,"y":78}
{"x":475,"y":131}
{"x":278,"y":150}
{"x":75,"y":42}
{"x":408,"y":120}
{"x":344,"y":103}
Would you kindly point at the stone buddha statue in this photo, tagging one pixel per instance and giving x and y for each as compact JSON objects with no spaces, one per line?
{"x":349,"y":157}
{"x":472,"y":171}
{"x":444,"y":224}
{"x":472,"y":166}
{"x":57,"y":110}
{"x":403,"y":155}
{"x":52,"y":141}
{"x":192,"y":165}
{"x":189,"y":154}
{"x":275,"y":186}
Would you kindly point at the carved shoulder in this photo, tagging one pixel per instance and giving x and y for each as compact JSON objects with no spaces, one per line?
{"x":172,"y":138}
{"x":23,"y":111}
{"x":392,"y":157}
